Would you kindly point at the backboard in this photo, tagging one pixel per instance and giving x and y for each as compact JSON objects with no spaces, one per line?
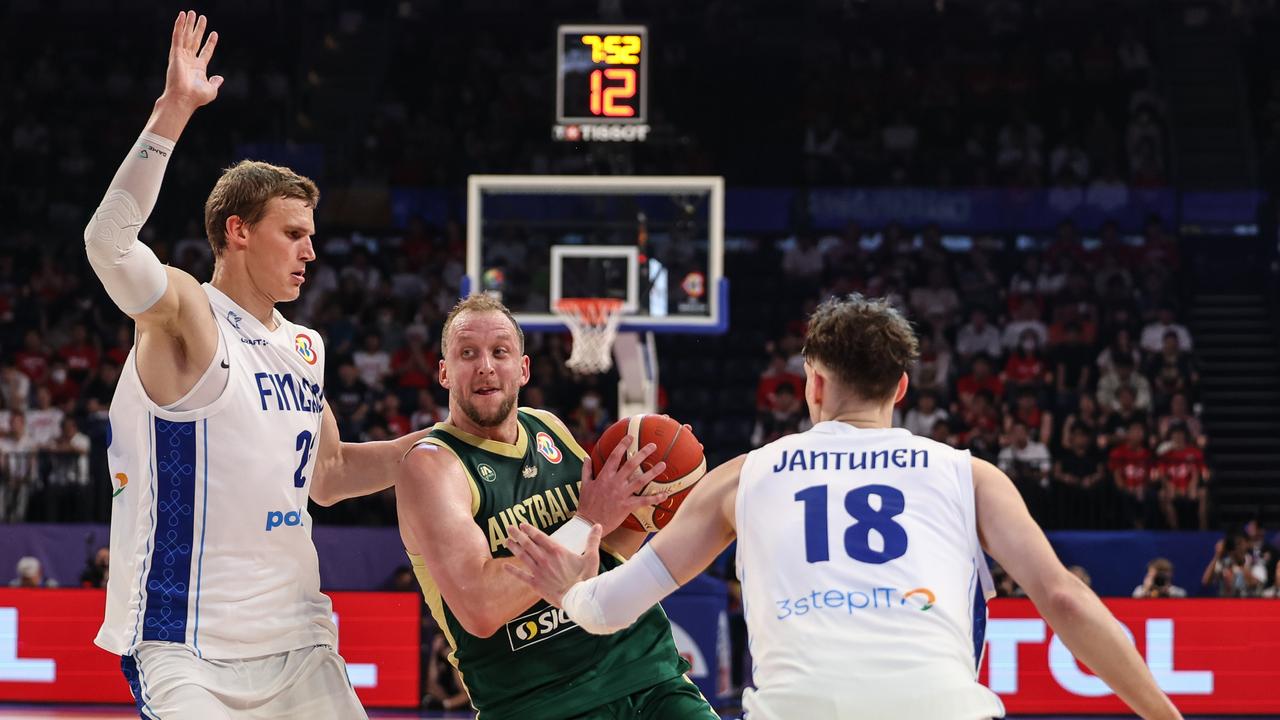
{"x":657,"y":243}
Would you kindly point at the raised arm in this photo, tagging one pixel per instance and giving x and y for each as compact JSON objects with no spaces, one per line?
{"x":1077,"y":615}
{"x":177,"y":335}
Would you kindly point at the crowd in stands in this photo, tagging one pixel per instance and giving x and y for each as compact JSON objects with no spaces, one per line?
{"x":1068,"y":368}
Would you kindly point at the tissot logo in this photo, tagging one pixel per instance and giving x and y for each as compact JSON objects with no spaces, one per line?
{"x":537,"y":626}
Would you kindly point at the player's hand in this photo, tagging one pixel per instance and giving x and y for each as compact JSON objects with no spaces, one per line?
{"x":186,"y":81}
{"x":607,"y":499}
{"x":548,"y":567}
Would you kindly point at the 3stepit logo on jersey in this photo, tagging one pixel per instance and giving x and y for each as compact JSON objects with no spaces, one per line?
{"x":548,"y":448}
{"x":537,"y":626}
{"x":304,"y":346}
{"x":851,"y":601}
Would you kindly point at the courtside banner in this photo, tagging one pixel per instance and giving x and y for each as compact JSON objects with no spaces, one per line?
{"x":47,"y":651}
{"x":1210,"y":656}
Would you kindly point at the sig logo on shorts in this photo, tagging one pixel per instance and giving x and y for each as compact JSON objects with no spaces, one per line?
{"x":276,"y":518}
{"x":304,"y":347}
{"x":548,"y":448}
{"x":537,"y":626}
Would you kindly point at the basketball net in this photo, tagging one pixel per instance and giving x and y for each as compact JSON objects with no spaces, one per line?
{"x":593,"y":322}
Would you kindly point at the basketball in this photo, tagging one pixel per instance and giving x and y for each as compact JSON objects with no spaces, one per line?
{"x":677,"y":445}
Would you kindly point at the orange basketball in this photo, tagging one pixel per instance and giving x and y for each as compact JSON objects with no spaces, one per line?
{"x":676,"y":445}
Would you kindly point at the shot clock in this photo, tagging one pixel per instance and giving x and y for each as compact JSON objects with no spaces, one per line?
{"x":601,"y":83}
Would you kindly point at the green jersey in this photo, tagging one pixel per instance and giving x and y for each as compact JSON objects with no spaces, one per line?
{"x":540,"y":664}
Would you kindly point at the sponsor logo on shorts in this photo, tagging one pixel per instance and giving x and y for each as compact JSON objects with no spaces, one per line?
{"x":537,"y":626}
{"x":304,"y":344}
{"x":487,"y":473}
{"x":548,"y":448}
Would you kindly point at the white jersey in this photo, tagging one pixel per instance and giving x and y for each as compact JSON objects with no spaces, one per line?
{"x":863,"y":582}
{"x":210,"y":535}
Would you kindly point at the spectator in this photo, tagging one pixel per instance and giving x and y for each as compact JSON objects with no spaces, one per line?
{"x":1180,"y":414}
{"x":1182,"y":473}
{"x":392,"y":418}
{"x":444,"y":688}
{"x":429,"y":412}
{"x":16,"y":387}
{"x":1028,"y":320}
{"x":66,"y":481}
{"x":61,"y":386}
{"x":97,"y":569}
{"x":1078,"y":475}
{"x":1235,"y":570}
{"x":1026,"y":369}
{"x":777,"y":373}
{"x":588,"y":420}
{"x":785,"y":415}
{"x":414,"y":365}
{"x":936,"y":302}
{"x":1159,"y":581}
{"x":1028,"y":410}
{"x":1027,"y":463}
{"x":351,"y":399}
{"x":1171,"y":372}
{"x":932,"y":371}
{"x":20,"y":465}
{"x":1131,"y":470}
{"x":33,"y":359}
{"x":1121,"y":346}
{"x":1088,"y":417}
{"x":1122,"y":375}
{"x":372,"y":362}
{"x":980,"y":380}
{"x":1153,"y":334}
{"x":1074,"y":361}
{"x":921,"y":418}
{"x":978,"y":337}
{"x":31,"y":575}
{"x":803,"y":262}
{"x":1118,"y":422}
{"x":45,"y":421}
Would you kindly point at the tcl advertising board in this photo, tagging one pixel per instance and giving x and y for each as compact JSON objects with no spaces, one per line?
{"x":47,"y":651}
{"x":1210,"y":656}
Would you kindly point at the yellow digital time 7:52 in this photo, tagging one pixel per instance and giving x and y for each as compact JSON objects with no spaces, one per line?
{"x":601,"y":83}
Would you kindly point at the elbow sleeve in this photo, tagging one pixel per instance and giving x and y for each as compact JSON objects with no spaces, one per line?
{"x":611,"y":602}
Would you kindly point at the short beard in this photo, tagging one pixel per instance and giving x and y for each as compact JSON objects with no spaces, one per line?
{"x":498,"y":417}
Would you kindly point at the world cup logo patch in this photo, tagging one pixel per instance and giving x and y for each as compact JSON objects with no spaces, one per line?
{"x":303,"y":345}
{"x":548,"y":448}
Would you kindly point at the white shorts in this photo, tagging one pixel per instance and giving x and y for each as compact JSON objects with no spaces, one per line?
{"x":169,"y":682}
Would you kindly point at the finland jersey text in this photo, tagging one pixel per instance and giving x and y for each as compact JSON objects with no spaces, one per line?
{"x":210,"y":536}
{"x":862,"y":577}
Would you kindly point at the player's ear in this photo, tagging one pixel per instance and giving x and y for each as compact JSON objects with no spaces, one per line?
{"x":524,"y":370}
{"x":237,"y":232}
{"x":444,"y":375}
{"x":901,"y":392}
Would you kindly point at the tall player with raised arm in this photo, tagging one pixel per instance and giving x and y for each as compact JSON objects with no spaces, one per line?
{"x":859,"y":550}
{"x":219,"y":435}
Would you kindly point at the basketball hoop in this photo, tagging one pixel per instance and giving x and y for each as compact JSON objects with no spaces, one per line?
{"x":593,"y":322}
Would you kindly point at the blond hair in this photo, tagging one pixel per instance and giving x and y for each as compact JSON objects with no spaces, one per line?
{"x":244,"y":190}
{"x":478,"y":304}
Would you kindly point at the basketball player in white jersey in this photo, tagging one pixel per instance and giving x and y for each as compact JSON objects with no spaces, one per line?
{"x":859,"y":551}
{"x":219,"y":435}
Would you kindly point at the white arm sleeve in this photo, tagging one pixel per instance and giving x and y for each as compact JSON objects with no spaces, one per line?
{"x":611,"y":602}
{"x":129,"y":270}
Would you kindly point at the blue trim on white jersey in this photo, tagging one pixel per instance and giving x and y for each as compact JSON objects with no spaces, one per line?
{"x":168,"y":582}
{"x":151,"y":513}
{"x":204,"y":515}
{"x":979,"y":623}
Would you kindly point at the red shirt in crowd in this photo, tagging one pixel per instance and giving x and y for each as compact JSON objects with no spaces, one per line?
{"x":1024,"y":370}
{"x":80,"y":359}
{"x":34,"y":365}
{"x":1180,"y":468}
{"x":769,"y":384}
{"x":1133,"y":464}
{"x":413,"y":377}
{"x":968,"y":386}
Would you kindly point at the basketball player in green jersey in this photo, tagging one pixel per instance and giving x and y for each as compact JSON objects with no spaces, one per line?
{"x":482,"y":472}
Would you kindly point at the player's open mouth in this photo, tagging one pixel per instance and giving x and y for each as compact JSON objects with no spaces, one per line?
{"x":486,"y":391}
{"x":300,"y":276}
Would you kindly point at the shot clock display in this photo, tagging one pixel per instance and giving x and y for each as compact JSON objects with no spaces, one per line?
{"x":601,"y":83}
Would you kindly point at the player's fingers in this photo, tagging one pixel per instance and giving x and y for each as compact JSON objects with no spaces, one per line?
{"x":538,"y":539}
{"x":638,"y":501}
{"x":206,"y":52}
{"x":615,"y":458}
{"x":179,"y":26}
{"x":216,"y":81}
{"x":516,"y":544}
{"x":192,"y":20}
{"x":628,"y":470}
{"x":587,"y":476}
{"x":639,"y":481}
{"x":519,"y":572}
{"x":196,"y":36}
{"x":533,"y":552}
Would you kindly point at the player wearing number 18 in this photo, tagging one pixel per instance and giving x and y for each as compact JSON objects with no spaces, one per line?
{"x":860,"y":551}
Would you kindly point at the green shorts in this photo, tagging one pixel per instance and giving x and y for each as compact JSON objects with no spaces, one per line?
{"x":674,"y":699}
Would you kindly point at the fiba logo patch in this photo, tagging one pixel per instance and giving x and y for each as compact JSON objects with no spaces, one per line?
{"x":304,"y":347}
{"x":487,"y":473}
{"x":547,"y":448}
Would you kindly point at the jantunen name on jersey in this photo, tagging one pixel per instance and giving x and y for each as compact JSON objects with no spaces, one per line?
{"x":800,"y":459}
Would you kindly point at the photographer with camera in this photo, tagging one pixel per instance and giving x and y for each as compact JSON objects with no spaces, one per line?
{"x":1159,"y":581}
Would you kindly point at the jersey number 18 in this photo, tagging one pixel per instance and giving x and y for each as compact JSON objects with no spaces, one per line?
{"x":817,"y":546}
